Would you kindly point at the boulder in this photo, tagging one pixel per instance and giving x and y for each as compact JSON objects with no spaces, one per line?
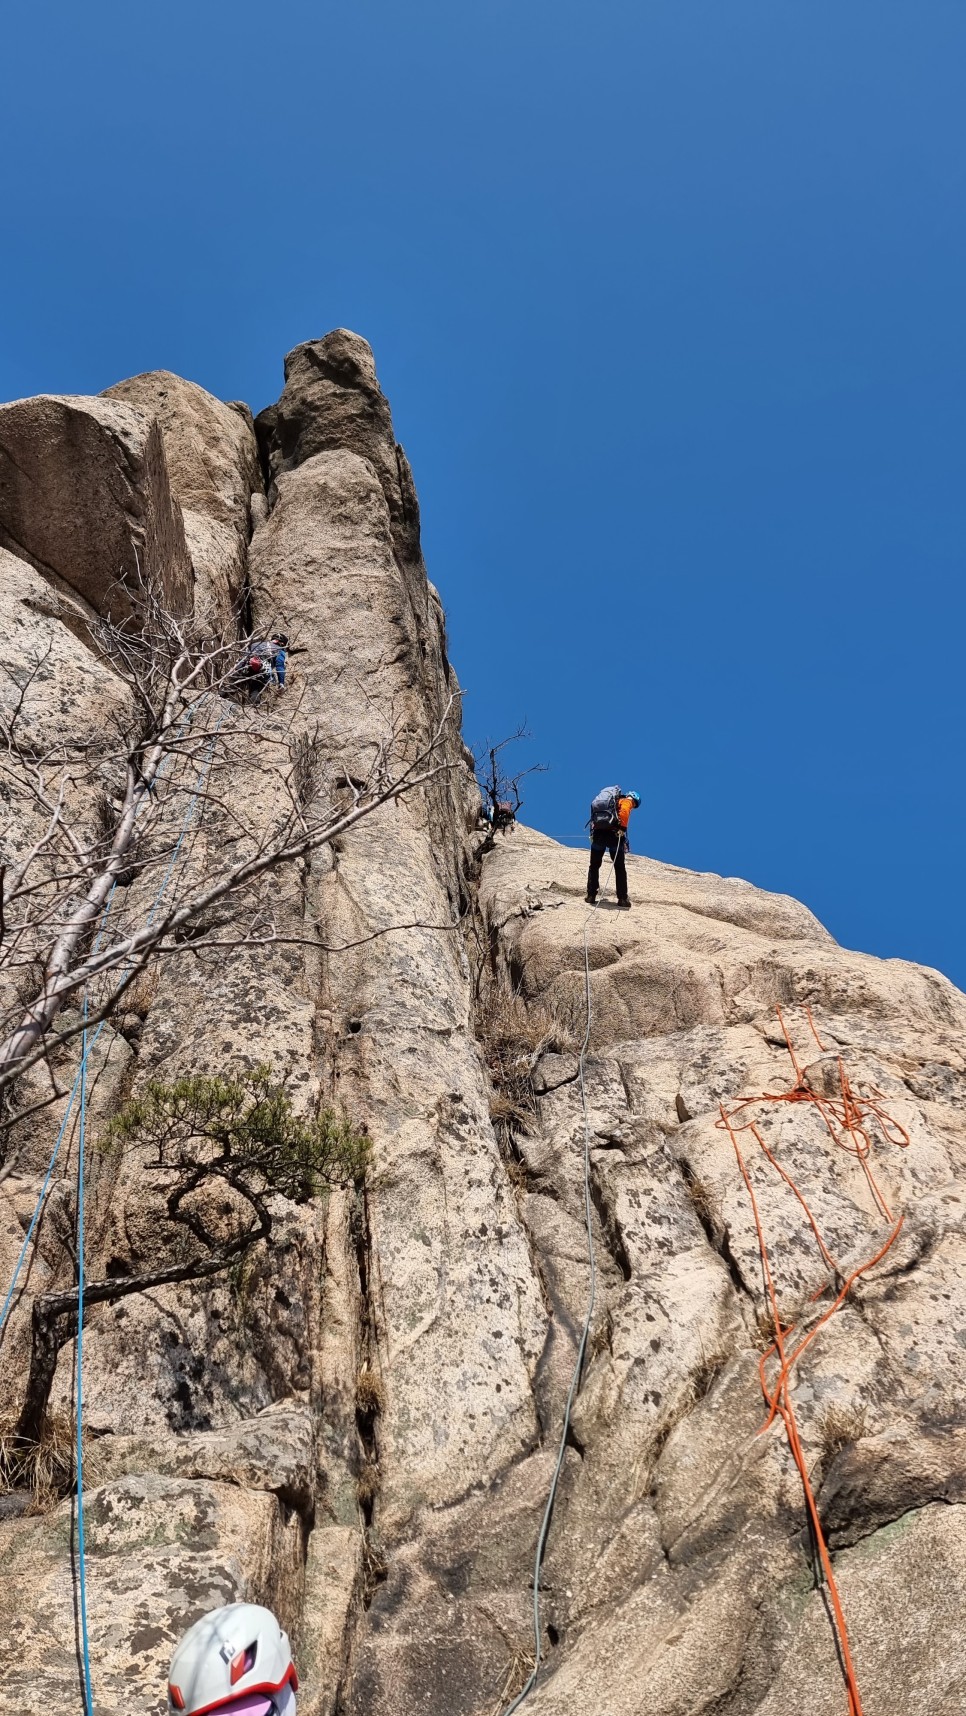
{"x":51,"y":677}
{"x":332,"y":399}
{"x":214,"y":470}
{"x":85,"y":498}
{"x":160,"y":1553}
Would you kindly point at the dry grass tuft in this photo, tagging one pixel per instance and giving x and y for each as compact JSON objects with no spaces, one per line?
{"x":707,"y":1372}
{"x":514,"y":1034}
{"x":368,"y":1484}
{"x":841,"y":1423}
{"x":44,"y":1468}
{"x":513,"y":1028}
{"x":374,"y":1568}
{"x":503,"y":1106}
{"x":370,"y":1394}
{"x":515,"y":1678}
{"x":142,"y":992}
{"x":516,"y":1173}
{"x":706,"y":1203}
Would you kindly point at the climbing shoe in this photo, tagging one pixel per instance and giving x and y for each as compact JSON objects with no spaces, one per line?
{"x":624,"y":904}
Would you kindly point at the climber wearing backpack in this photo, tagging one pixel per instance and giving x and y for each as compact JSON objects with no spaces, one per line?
{"x":235,"y":1661}
{"x":609,"y":815}
{"x":264,"y":665}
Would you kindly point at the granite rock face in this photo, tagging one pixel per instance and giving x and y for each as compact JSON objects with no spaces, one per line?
{"x":360,"y":1429}
{"x":85,"y":498}
{"x":333,"y":400}
{"x":215,"y":475}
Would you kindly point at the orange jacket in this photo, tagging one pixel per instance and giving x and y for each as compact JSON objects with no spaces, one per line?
{"x":624,"y":808}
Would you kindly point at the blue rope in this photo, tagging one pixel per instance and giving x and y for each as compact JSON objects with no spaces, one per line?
{"x":60,"y":1137}
{"x":38,"y":1207}
{"x":79,"y":1387}
{"x":81,"y":1142}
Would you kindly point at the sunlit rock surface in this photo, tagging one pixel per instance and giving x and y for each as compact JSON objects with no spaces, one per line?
{"x":361,"y":1431}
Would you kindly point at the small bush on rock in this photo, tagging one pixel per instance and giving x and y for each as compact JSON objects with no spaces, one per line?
{"x":243,"y":1130}
{"x":221,"y":1151}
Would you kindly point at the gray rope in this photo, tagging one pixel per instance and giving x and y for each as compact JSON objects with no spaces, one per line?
{"x":584,"y":1334}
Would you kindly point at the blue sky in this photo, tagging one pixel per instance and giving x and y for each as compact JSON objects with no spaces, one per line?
{"x":667,"y":296}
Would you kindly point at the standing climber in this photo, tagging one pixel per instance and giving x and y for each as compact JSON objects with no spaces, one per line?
{"x":610,"y":813}
{"x":235,"y":1661}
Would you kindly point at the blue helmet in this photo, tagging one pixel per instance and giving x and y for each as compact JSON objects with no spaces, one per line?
{"x":635,"y":798}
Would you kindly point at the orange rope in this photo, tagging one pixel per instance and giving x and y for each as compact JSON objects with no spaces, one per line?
{"x":848,"y":1122}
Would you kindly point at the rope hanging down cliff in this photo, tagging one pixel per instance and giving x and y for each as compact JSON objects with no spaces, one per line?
{"x":187,"y":821}
{"x":80,"y":1089}
{"x":588,"y":1317}
{"x":848,"y":1120}
{"x":75,"y":1088}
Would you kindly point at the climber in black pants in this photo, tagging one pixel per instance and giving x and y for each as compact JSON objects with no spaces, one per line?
{"x":614,"y":842}
{"x":610,"y":813}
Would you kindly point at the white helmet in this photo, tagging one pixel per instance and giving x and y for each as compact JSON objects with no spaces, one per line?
{"x":236,"y":1659}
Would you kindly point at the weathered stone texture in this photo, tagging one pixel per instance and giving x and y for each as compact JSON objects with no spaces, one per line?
{"x":214,"y":470}
{"x":333,"y":400}
{"x":361,"y":1429}
{"x":85,"y":497}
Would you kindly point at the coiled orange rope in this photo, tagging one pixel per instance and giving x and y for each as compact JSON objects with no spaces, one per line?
{"x":848,"y":1120}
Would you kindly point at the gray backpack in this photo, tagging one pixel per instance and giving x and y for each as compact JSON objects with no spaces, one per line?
{"x":603,"y":808}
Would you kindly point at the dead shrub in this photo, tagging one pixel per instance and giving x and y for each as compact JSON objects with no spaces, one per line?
{"x":841,"y":1423}
{"x":370,"y":1395}
{"x":368,"y":1484}
{"x":142,"y":991}
{"x":44,"y":1468}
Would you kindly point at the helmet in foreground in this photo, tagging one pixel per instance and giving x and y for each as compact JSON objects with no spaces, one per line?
{"x":237,"y":1660}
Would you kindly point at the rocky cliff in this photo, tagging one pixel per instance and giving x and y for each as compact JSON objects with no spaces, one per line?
{"x":360,"y":1428}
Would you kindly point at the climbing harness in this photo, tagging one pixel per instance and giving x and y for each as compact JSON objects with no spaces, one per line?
{"x":848,"y":1120}
{"x":585,"y":1330}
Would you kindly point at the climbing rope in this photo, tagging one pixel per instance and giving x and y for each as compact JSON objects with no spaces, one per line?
{"x":79,"y":1382}
{"x":588,"y":1318}
{"x":80,"y":1088}
{"x":81,"y":1143}
{"x":62,"y":1131}
{"x":848,"y":1119}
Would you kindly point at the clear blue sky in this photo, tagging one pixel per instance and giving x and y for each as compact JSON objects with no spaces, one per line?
{"x":668,"y":298}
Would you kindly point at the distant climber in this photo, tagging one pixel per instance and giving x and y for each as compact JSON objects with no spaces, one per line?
{"x":264,"y":665}
{"x":610,"y":813}
{"x":500,"y":815}
{"x":235,"y":1661}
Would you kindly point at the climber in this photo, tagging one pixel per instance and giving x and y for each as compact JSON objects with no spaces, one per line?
{"x":264,"y":665}
{"x":235,"y":1661}
{"x":274,"y":655}
{"x":609,"y":815}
